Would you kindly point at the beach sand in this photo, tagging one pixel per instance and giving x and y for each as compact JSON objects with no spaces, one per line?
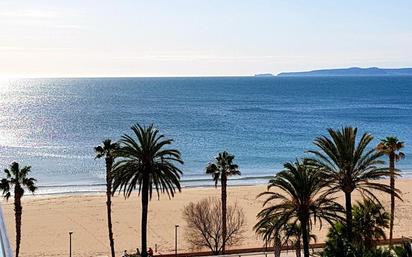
{"x":48,"y":219}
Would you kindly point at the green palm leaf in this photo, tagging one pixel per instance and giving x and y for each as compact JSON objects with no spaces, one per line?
{"x":350,"y":166}
{"x":14,"y":184}
{"x":302,"y":197}
{"x":146,"y":164}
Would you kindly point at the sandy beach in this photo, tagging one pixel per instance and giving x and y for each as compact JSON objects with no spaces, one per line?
{"x":48,"y":219}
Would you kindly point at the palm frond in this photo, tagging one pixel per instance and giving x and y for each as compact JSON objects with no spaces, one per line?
{"x":145,"y":160}
{"x":222,"y":166}
{"x":17,"y":179}
{"x":302,"y":194}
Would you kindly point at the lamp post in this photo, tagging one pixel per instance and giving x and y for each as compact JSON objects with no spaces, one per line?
{"x":176,"y":226}
{"x":70,"y":243}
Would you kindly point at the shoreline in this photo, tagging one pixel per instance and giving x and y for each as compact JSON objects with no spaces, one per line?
{"x":85,"y":193}
{"x":184,"y":187}
{"x":48,"y":218}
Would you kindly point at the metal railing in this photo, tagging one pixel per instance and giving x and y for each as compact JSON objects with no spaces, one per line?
{"x":265,"y":251}
{"x":5,"y":250}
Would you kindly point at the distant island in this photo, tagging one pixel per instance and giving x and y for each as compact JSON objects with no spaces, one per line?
{"x":264,"y":75}
{"x":354,"y":71}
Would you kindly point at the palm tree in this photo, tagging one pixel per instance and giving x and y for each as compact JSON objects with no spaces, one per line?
{"x":337,"y":245}
{"x":146,"y":164}
{"x":370,"y":220}
{"x":267,"y":230}
{"x":349,"y":166}
{"x":17,"y":179}
{"x":404,"y":250}
{"x":288,"y":234}
{"x":294,"y":236}
{"x":107,"y":150}
{"x":391,"y":146}
{"x":303,"y":198}
{"x":222,"y":168}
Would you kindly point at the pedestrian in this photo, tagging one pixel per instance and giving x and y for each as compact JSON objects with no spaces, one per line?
{"x":150,"y":252}
{"x":125,"y":254}
{"x":138,"y":252}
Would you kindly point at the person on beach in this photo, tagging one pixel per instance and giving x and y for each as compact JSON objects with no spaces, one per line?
{"x":125,"y":254}
{"x":150,"y":252}
{"x":138,"y":252}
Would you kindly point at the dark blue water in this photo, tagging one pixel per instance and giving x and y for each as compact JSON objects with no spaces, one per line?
{"x":53,"y":124}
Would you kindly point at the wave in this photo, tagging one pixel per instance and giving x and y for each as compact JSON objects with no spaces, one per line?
{"x":52,"y":189}
{"x":67,"y":189}
{"x":260,"y":110}
{"x":182,"y":181}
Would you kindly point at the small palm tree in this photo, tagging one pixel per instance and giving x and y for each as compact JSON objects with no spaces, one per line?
{"x":270,"y":234}
{"x":337,"y":244}
{"x":107,"y":150}
{"x":350,"y":166}
{"x":221,"y":169}
{"x":370,"y":220}
{"x":404,"y":250}
{"x":303,"y":199}
{"x":294,"y":237}
{"x":147,"y":165}
{"x":289,"y":234}
{"x":391,"y":146}
{"x":16,"y":179}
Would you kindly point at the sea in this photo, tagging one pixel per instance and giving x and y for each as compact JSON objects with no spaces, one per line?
{"x":53,"y":125}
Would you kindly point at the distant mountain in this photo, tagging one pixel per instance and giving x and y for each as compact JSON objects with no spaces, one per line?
{"x":264,"y":75}
{"x":355,"y":71}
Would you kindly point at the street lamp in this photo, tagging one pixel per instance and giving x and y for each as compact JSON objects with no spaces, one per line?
{"x":70,"y":243}
{"x":176,"y":226}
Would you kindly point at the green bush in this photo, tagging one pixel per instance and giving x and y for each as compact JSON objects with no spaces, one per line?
{"x":404,"y":250}
{"x":369,"y":222}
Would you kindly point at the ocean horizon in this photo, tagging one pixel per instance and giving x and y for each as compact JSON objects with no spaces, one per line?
{"x":54,"y":124}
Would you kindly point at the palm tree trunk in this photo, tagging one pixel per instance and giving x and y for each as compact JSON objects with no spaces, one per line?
{"x":145,"y":203}
{"x":18,"y":213}
{"x":348,"y":206}
{"x":392,"y":184}
{"x":277,"y":246}
{"x":305,"y":237}
{"x":109,"y":163}
{"x":224,"y":211}
{"x":298,"y":249}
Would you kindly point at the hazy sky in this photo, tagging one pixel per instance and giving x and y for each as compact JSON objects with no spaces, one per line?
{"x":200,"y":37}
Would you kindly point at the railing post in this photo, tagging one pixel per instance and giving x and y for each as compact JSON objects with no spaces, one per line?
{"x":176,"y":226}
{"x":70,"y":243}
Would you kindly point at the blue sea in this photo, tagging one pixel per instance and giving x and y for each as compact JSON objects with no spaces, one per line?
{"x":53,"y":124}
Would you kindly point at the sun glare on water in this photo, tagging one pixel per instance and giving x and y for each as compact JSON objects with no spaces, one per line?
{"x":6,"y":84}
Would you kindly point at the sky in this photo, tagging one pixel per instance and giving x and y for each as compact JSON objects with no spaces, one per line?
{"x":200,"y":37}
